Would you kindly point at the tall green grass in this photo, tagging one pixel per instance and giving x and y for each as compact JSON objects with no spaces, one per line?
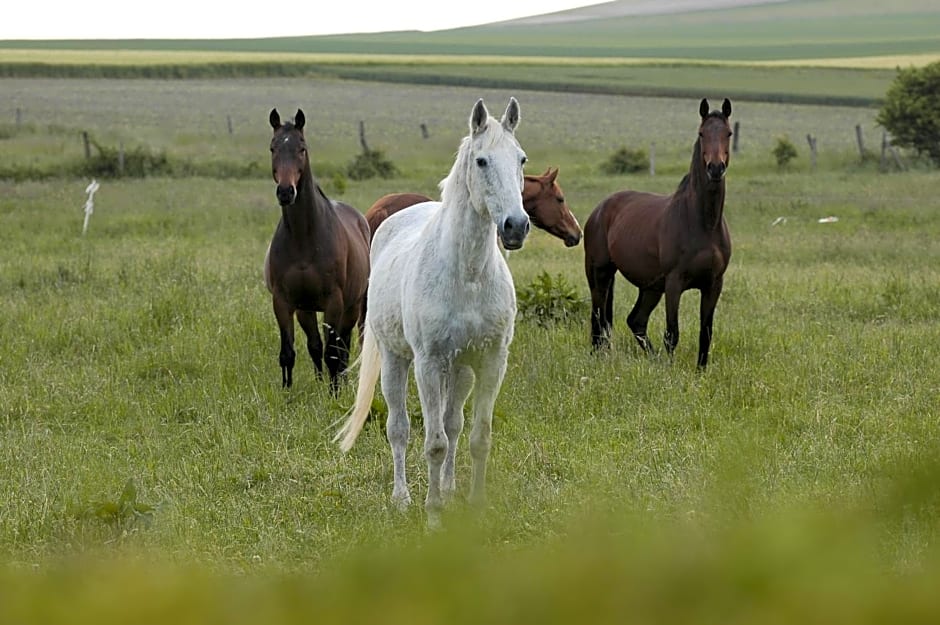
{"x":795,"y":480}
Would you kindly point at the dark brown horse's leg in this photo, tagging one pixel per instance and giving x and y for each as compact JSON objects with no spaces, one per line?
{"x":308,"y":321}
{"x":706,"y":316}
{"x":284,"y":314}
{"x":639,"y":317}
{"x":338,"y":336}
{"x":673,"y":295}
{"x":601,"y":283}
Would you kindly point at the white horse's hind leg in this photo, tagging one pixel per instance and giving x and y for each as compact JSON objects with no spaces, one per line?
{"x":453,"y":424}
{"x":435,"y":379}
{"x":489,"y":378}
{"x":398,"y":426}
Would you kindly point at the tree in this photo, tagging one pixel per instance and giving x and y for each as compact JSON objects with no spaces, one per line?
{"x":911,"y":112}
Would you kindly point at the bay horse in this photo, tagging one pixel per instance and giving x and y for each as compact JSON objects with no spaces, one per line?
{"x":542,"y":199}
{"x":441,"y":296}
{"x":317,"y":261}
{"x":665,"y":243}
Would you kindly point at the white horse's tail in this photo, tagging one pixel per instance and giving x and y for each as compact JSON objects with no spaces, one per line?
{"x":370,"y":364}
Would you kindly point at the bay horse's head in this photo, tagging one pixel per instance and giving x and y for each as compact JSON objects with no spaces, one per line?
{"x":714,"y":135}
{"x":545,"y":203}
{"x":494,"y":174}
{"x":289,"y":158}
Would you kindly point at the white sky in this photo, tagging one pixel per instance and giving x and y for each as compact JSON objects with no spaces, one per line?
{"x":199,"y":19}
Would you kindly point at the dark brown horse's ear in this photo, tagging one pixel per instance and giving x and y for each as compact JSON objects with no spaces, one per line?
{"x":726,"y":108}
{"x":275,"y":119}
{"x":299,"y":120}
{"x":703,"y":108}
{"x":478,"y":117}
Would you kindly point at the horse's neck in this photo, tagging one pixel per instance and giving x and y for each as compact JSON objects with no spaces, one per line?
{"x":311,"y":208}
{"x":470,"y":235}
{"x":706,"y":199}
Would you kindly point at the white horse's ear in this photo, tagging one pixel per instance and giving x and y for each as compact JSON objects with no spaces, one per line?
{"x":478,"y":117}
{"x":511,"y":116}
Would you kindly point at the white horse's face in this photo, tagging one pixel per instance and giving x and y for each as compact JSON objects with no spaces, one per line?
{"x":494,"y":176}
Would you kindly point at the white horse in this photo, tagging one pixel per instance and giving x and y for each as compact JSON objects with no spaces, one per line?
{"x":441,"y":295}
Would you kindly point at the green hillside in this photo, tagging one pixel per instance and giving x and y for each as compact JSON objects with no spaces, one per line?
{"x":807,"y":29}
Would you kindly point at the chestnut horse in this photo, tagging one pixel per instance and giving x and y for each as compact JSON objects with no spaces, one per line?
{"x":318,"y":259}
{"x":542,"y":199}
{"x":665,"y":243}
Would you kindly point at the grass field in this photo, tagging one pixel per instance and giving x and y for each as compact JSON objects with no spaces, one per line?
{"x":795,"y":481}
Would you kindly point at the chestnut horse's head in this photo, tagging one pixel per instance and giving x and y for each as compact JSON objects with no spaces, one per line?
{"x":714,"y":137}
{"x":289,"y":158}
{"x":545,"y":203}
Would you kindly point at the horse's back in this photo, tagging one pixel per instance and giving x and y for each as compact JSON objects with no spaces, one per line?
{"x":623,"y":229}
{"x":388,"y":205}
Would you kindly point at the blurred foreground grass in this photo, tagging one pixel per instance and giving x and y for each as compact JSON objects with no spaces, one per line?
{"x":789,"y":566}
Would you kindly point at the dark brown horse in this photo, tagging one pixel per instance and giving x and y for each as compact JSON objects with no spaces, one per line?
{"x":318,"y":260}
{"x":542,"y":199}
{"x":665,"y":243}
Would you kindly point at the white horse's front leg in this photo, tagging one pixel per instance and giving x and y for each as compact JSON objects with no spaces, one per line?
{"x":489,"y":377}
{"x":398,"y":426}
{"x":453,"y":424}
{"x":434,"y":377}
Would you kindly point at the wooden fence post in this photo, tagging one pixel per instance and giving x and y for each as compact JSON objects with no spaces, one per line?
{"x":734,"y":137}
{"x":121,"y":158}
{"x":812,"y":151}
{"x":362,"y":137}
{"x":19,"y":117}
{"x":424,"y":131}
{"x":87,"y":145}
{"x":228,"y":121}
{"x":861,"y":144}
{"x":652,"y":159}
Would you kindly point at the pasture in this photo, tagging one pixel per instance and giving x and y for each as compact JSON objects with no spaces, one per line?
{"x":798,"y":476}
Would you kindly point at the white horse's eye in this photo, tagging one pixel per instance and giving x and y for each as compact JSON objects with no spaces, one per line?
{"x":481,"y":162}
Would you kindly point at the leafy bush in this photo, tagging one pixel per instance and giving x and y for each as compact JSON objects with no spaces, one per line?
{"x":625,"y":161}
{"x":369,"y":164}
{"x":549,"y":300}
{"x":911,"y":112}
{"x":784,"y":151}
{"x":138,"y":163}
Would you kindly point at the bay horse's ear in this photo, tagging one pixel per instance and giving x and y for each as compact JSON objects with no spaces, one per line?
{"x":275,"y":119}
{"x":726,"y":108}
{"x":299,"y":120}
{"x":511,"y":116}
{"x":703,"y":108}
{"x":478,"y":117}
{"x":552,"y":174}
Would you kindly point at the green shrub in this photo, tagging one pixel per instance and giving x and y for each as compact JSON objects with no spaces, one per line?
{"x":138,"y":163}
{"x":784,"y":151}
{"x":370,"y":164}
{"x":625,"y":161}
{"x":911,"y":112}
{"x":548,"y":300}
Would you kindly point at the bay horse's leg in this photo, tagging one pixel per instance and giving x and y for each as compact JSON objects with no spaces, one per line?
{"x":601,"y":282}
{"x":310,"y":326}
{"x":435,"y":377}
{"x":284,"y":313}
{"x":397,"y":427}
{"x":453,"y":424}
{"x":706,"y":316}
{"x":639,"y":317}
{"x":673,"y":295}
{"x":489,"y":377}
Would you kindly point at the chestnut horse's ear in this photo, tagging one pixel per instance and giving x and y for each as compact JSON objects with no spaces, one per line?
{"x":703,"y":108}
{"x":726,"y":108}
{"x":478,"y":117}
{"x":511,"y":116}
{"x":552,"y":174}
{"x":299,"y":120}
{"x":275,"y":119}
